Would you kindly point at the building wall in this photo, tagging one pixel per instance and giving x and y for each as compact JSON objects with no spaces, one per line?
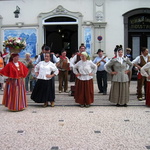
{"x":30,"y":9}
{"x":113,"y":10}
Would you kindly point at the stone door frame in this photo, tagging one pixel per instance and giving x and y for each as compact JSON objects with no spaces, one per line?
{"x":61,"y":12}
{"x":129,"y":14}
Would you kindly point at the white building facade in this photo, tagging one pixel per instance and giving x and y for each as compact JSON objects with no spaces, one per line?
{"x":65,"y":24}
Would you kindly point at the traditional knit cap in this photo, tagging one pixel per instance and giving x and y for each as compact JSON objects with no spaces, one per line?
{"x":85,"y":54}
{"x":14,"y":55}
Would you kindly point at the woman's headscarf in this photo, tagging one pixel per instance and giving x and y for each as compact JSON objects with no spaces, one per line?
{"x":85,"y":54}
{"x":120,"y":59}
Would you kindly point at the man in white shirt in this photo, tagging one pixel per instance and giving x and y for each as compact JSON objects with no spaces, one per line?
{"x":101,"y":74}
{"x":139,"y":62}
{"x":76,"y":58}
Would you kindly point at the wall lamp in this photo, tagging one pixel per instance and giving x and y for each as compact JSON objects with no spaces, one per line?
{"x":17,"y":12}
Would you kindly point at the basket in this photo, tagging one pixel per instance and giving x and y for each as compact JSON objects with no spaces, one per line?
{"x":14,"y":50}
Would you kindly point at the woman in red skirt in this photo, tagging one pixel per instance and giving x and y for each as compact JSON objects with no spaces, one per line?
{"x":145,"y":71}
{"x":84,"y":71}
{"x":14,"y":93}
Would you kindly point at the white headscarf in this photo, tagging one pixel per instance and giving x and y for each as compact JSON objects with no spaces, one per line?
{"x":120,"y":59}
{"x":86,"y":54}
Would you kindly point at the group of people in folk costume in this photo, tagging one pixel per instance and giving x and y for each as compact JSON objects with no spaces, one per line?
{"x":48,"y":66}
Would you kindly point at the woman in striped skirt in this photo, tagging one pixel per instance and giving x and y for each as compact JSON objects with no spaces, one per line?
{"x":14,"y":92}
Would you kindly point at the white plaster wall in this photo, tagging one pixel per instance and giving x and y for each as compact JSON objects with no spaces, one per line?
{"x":114,"y":9}
{"x":30,"y":9}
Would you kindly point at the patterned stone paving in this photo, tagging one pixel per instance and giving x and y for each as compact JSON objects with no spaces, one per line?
{"x":66,"y":126}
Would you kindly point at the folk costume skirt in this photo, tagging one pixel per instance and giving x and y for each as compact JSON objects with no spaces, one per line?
{"x":15,"y":94}
{"x":43,"y":91}
{"x":148,"y":93}
{"x":119,"y":93}
{"x":84,"y":92}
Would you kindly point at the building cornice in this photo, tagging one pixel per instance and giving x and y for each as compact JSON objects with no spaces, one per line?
{"x":99,"y":24}
{"x":60,"y":10}
{"x":19,"y":25}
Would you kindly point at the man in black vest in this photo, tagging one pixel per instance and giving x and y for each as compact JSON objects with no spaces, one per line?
{"x":41,"y":56}
{"x":139,"y":62}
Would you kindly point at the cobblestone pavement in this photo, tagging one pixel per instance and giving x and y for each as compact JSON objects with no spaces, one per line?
{"x":66,"y":126}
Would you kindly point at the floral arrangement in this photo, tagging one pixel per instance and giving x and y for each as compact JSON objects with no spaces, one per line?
{"x":15,"y":43}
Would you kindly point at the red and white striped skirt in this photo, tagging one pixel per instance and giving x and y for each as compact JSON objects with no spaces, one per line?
{"x":15,"y":94}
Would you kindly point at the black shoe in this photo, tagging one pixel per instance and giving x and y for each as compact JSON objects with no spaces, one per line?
{"x":45,"y":104}
{"x":81,"y":106}
{"x":104,"y":93}
{"x":87,"y":106}
{"x":100,"y":92}
{"x":125,"y":105}
{"x":118,"y":105}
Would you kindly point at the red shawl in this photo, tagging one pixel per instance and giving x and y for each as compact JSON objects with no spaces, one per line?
{"x":61,"y":57}
{"x":10,"y":70}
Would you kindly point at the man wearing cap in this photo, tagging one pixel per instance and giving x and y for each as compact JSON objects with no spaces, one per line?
{"x":128,"y":53}
{"x":101,"y":74}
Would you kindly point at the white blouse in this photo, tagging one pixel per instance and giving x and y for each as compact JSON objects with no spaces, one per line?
{"x":45,"y":68}
{"x":85,"y":68}
{"x":16,"y":64}
{"x":145,"y":70}
{"x":137,"y":60}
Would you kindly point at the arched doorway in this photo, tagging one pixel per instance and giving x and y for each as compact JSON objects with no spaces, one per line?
{"x":137,"y":30}
{"x":60,"y":29}
{"x":61,"y":33}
